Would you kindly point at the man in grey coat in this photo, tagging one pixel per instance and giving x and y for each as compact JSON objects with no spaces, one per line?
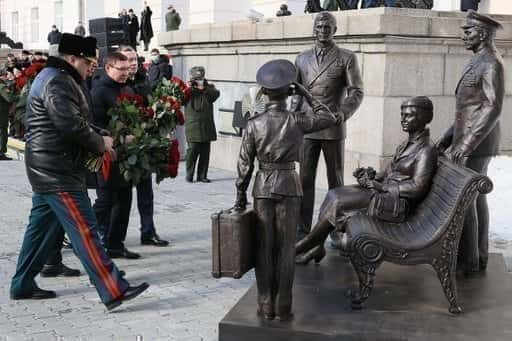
{"x":332,"y":76}
{"x":474,"y":137}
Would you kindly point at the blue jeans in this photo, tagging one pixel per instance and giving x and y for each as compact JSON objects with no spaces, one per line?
{"x":373,"y":3}
{"x":71,"y":211}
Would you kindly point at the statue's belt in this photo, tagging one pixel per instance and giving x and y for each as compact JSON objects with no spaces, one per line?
{"x":277,"y":165}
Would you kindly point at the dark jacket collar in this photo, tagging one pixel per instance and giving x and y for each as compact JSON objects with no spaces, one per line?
{"x":109,"y":82}
{"x":61,"y":64}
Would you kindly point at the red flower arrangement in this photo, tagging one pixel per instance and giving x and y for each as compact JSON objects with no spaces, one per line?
{"x":153,"y":150}
{"x":173,"y":159}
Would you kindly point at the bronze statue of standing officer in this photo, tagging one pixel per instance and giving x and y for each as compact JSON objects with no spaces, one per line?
{"x":332,"y":76}
{"x":474,"y":137}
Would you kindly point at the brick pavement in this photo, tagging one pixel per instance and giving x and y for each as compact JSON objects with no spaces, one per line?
{"x":183,"y":303}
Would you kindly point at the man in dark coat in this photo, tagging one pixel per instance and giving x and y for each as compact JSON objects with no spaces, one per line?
{"x":139,"y":83}
{"x":59,"y":139}
{"x":146,"y":29}
{"x":112,"y":207}
{"x":7,"y":96}
{"x":474,"y":137}
{"x":54,"y":36}
{"x":199,"y":124}
{"x":274,"y":138}
{"x":466,"y":5}
{"x":133,"y":28}
{"x":159,"y":68}
{"x":172,"y":19}
{"x":332,"y":76}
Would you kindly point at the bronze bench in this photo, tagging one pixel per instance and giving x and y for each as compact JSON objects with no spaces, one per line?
{"x":430,"y":235}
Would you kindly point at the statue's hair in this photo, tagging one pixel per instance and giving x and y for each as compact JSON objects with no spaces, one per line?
{"x":425,"y":104}
{"x":325,"y":15}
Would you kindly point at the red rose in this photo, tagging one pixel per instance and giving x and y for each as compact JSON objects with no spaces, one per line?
{"x":21,"y":81}
{"x":149,"y":113}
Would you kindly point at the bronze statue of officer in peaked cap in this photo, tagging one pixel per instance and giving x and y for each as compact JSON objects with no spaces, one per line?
{"x":274,"y":138}
{"x":475,"y":134}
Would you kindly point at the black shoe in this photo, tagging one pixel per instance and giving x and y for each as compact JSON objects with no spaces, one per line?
{"x":122,"y":253}
{"x":155,"y":240}
{"x":36,"y":294}
{"x":130,"y":293}
{"x":59,"y":270}
{"x":189,"y":179}
{"x":205,"y":180}
{"x":4,"y":157}
{"x":317,"y":253}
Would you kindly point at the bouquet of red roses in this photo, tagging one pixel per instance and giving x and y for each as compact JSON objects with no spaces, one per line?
{"x":152,"y":150}
{"x":168,"y":98}
{"x":23,"y":82}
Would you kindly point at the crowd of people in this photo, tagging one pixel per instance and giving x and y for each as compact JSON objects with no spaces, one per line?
{"x":67,"y":118}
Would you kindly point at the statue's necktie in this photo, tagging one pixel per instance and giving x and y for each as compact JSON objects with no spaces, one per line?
{"x":321,"y":55}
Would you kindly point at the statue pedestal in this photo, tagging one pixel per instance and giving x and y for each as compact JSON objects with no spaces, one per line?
{"x":406,"y":304}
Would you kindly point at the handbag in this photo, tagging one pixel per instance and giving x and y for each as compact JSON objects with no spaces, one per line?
{"x":388,"y":206}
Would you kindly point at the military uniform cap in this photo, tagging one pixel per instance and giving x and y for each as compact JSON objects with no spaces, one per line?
{"x":276,"y":74}
{"x":79,"y":46}
{"x":475,"y":19}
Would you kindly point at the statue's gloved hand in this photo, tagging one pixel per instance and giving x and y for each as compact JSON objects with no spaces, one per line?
{"x":241,"y":201}
{"x":458,"y":155}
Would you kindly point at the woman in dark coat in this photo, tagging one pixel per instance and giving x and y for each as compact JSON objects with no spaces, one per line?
{"x":398,"y":190}
{"x":146,"y":29}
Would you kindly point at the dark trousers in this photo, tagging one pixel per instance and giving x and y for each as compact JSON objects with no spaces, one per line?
{"x":55,"y":253}
{"x":474,"y":242}
{"x":275,"y":257}
{"x":112,"y":209}
{"x":72,"y":212}
{"x":145,"y":205}
{"x":374,"y":3}
{"x":333,"y":151}
{"x":195,"y":151}
{"x":469,"y":4}
{"x":4,"y":132}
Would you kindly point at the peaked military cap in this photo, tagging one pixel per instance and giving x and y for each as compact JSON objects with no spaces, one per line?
{"x":276,"y":74}
{"x":475,"y":19}
{"x":79,"y":46}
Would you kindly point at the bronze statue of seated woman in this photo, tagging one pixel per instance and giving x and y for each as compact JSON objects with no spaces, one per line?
{"x":391,"y":195}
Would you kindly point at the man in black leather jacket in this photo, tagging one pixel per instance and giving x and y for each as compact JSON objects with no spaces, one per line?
{"x":59,"y":139}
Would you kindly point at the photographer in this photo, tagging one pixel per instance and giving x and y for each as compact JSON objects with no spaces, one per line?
{"x":199,"y":124}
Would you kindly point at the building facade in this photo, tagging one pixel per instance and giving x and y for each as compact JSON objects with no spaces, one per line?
{"x":30,"y":21}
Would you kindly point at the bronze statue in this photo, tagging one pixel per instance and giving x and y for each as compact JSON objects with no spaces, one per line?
{"x":332,"y":76}
{"x":475,"y":134}
{"x":390,"y":195}
{"x":274,"y":138}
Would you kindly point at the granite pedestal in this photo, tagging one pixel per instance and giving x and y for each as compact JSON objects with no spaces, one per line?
{"x":407,"y":303}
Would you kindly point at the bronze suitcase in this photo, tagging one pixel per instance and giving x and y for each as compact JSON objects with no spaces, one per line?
{"x":233,"y":242}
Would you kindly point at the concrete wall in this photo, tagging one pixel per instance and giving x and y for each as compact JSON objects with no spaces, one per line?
{"x":402,"y":53}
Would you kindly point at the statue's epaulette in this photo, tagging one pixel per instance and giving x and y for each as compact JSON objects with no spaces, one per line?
{"x":257,"y":115}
